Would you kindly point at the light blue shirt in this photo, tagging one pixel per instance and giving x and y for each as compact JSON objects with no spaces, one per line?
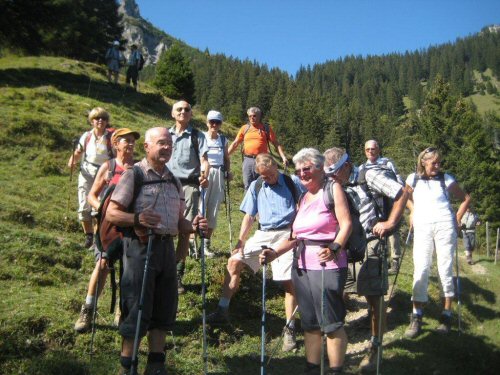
{"x":275,"y":204}
{"x":184,"y":163}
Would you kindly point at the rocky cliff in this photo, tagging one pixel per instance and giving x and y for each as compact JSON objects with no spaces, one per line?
{"x":136,"y":30}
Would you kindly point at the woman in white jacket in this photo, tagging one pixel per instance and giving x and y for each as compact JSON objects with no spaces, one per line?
{"x":435,"y":227}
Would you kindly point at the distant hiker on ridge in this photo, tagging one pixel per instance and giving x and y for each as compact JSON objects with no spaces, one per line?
{"x":134,"y":64}
{"x":255,"y":137}
{"x":114,"y":60}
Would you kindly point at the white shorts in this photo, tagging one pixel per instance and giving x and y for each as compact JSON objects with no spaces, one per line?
{"x":282,"y":266}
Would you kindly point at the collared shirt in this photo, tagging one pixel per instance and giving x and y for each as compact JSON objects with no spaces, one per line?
{"x":275,"y":204}
{"x":96,"y":150}
{"x":384,"y":162}
{"x":470,"y":220}
{"x":166,"y":199}
{"x":184,"y":162}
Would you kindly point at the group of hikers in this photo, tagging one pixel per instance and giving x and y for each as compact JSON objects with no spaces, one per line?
{"x":316,"y":228}
{"x":115,"y":59}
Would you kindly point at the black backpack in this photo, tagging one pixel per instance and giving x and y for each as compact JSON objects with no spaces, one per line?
{"x":141,"y":62}
{"x":356,"y":244}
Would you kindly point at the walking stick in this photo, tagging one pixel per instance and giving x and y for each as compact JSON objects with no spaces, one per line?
{"x":72,"y":168}
{"x":323,"y":335}
{"x":228,"y":214}
{"x":459,"y":302}
{"x":141,"y":302}
{"x":203,"y":286}
{"x":407,"y":243}
{"x":94,"y":307}
{"x":381,"y":310}
{"x":263,"y":320}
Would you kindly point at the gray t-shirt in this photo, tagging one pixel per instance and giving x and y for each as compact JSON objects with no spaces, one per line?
{"x":184,"y":162}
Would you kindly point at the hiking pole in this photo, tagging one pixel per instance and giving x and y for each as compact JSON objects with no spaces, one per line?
{"x":381,"y":309}
{"x":94,"y":307}
{"x":141,"y":302}
{"x":276,"y":346}
{"x":407,"y":243}
{"x":203,"y":286}
{"x":459,"y":303}
{"x":72,"y":168}
{"x":323,"y":336}
{"x":228,"y":210}
{"x":263,"y":319}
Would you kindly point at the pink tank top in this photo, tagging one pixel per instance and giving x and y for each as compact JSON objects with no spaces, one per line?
{"x":314,"y":226}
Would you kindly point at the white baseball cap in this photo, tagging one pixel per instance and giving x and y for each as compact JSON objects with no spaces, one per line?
{"x":214,"y":115}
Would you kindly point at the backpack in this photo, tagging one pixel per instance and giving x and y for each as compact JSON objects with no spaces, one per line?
{"x":108,"y":133}
{"x":195,"y":143}
{"x":289,"y":184}
{"x":141,"y":62}
{"x":356,"y":244}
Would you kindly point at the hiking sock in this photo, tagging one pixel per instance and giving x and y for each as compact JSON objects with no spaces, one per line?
{"x":89,"y":300}
{"x":155,"y":357}
{"x":224,"y":303}
{"x":418,"y":312}
{"x":126,"y":362}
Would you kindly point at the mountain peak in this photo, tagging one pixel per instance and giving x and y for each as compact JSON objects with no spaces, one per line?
{"x":129,"y":8}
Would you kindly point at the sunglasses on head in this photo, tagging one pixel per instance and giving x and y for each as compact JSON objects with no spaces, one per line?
{"x":304,"y":170}
{"x":215,"y":122}
{"x":186,"y":109}
{"x":430,"y":149}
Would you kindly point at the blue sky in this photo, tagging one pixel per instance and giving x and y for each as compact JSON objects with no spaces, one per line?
{"x":288,"y":34}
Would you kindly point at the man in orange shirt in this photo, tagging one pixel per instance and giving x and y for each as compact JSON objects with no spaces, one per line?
{"x":255,"y":137}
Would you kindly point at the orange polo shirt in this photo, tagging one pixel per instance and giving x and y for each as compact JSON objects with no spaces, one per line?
{"x":254,"y":141}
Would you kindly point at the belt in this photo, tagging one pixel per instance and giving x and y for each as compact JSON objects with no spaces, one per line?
{"x":288,"y":226}
{"x":250,"y":156}
{"x":189,"y":180}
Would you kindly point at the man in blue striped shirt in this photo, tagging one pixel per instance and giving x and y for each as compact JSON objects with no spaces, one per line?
{"x":273,"y":197}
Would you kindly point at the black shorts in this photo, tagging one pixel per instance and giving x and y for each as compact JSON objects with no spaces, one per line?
{"x":307,"y":285}
{"x":160,"y":298}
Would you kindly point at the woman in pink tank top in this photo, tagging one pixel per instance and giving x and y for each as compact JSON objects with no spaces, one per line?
{"x":319,"y":239}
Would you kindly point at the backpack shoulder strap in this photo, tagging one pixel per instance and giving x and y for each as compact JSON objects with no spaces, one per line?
{"x":258,"y":185}
{"x":196,"y":143}
{"x":328,"y":195}
{"x":223,"y":140}
{"x":111,"y":169}
{"x":86,"y":142}
{"x":109,"y":146}
{"x":291,"y":186}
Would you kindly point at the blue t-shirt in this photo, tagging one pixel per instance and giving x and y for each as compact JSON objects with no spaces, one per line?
{"x":184,"y":162}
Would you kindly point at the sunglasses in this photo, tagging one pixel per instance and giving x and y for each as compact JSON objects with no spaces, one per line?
{"x":430,"y":149}
{"x":186,"y":109}
{"x":214,"y":122}
{"x":304,"y":170}
{"x":101,"y":118}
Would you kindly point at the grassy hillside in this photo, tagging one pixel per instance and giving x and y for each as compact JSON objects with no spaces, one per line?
{"x":44,"y":269}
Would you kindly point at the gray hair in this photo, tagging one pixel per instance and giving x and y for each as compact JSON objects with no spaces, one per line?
{"x":310,"y":155}
{"x":265,"y":161}
{"x":374,"y":142}
{"x":254,"y":111}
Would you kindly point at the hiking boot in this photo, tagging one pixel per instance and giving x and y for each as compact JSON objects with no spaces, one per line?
{"x":89,"y":240}
{"x":220,"y":316}
{"x":445,"y":326}
{"x":469,"y":260}
{"x":155,"y":368}
{"x":84,"y":320}
{"x":312,"y":369}
{"x":394,"y":267}
{"x":180,"y":286}
{"x":289,"y":341}
{"x":415,"y":326}
{"x":369,"y":361}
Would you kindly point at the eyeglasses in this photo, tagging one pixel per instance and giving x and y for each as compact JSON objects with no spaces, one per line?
{"x":127,"y":141}
{"x":252,"y":116}
{"x":304,"y":170}
{"x":215,"y":122}
{"x":186,"y":109}
{"x":370,"y":149}
{"x":101,"y":118}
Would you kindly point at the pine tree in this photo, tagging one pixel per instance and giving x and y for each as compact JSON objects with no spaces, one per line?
{"x":174,"y":77}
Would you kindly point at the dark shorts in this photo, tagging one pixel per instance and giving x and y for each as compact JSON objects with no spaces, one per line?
{"x":307,"y":285}
{"x":160,"y":298}
{"x":369,"y":274}
{"x":469,"y":241}
{"x":132,"y":73}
